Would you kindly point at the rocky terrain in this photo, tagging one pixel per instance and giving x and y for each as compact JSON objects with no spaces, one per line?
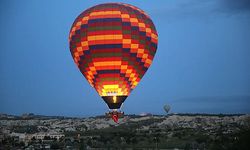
{"x":173,"y":131}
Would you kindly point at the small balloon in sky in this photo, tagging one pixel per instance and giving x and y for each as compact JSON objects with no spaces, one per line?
{"x":167,"y":108}
{"x":113,"y":45}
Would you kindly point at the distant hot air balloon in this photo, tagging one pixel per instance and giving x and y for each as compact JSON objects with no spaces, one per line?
{"x":167,"y":108}
{"x":113,"y":45}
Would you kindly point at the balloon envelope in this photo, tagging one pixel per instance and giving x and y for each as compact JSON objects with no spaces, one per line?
{"x":113,"y":45}
{"x":167,"y":108}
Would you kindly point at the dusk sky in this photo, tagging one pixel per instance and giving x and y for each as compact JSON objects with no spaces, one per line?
{"x":202,"y":62}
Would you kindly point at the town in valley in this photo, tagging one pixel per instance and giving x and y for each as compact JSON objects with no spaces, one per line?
{"x":145,"y":131}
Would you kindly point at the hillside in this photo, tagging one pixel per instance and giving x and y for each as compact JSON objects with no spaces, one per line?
{"x":181,"y":131}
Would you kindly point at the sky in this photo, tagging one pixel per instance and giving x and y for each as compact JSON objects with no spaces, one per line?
{"x":201,"y":65}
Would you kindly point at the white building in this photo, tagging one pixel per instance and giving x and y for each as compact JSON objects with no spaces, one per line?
{"x":40,"y":136}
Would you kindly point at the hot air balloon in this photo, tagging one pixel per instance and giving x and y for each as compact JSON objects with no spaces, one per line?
{"x":167,"y":108}
{"x":113,"y":45}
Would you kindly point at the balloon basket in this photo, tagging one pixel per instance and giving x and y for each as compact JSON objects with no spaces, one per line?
{"x":115,"y":115}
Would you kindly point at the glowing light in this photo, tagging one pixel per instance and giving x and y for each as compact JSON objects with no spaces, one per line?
{"x":114,"y":99}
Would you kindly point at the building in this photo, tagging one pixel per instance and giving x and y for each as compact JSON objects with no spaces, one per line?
{"x":41,"y":136}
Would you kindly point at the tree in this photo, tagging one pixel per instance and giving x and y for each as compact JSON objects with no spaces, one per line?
{"x":55,"y":145}
{"x":47,"y":138}
{"x":187,"y":146}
